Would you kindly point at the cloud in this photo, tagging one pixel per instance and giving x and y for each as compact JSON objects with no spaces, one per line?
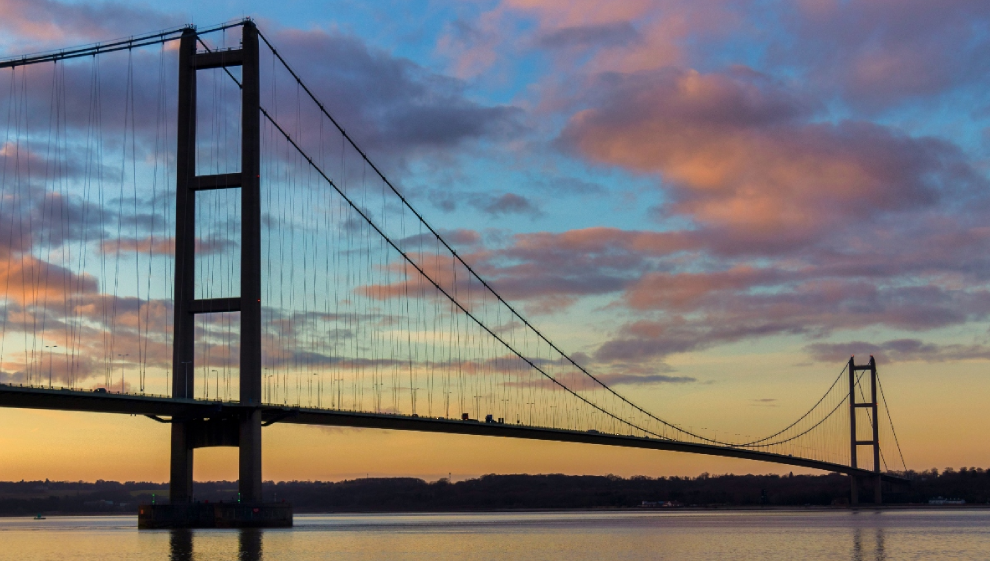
{"x":680,"y":291}
{"x":460,"y":238}
{"x":32,"y":25}
{"x":473,"y":46}
{"x":505,"y":204}
{"x":558,"y":268}
{"x":589,"y":36}
{"x":393,"y":106}
{"x":897,"y":350}
{"x":547,"y":271}
{"x":90,"y":329}
{"x":165,"y":246}
{"x":797,"y":223}
{"x":876,"y":58}
{"x":620,"y":33}
{"x":684,"y":291}
{"x":495,"y":205}
{"x":582,"y":12}
{"x":813,"y":309}
{"x":682,"y":296}
{"x":860,"y":51}
{"x":663,"y":341}
{"x":739,"y":155}
{"x":648,"y":379}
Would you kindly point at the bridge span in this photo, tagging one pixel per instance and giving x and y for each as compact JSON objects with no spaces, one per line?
{"x":159,"y":407}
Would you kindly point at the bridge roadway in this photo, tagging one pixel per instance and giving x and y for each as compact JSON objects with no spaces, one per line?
{"x":156,"y":407}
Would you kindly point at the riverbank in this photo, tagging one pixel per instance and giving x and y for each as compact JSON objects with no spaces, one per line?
{"x":506,"y":493}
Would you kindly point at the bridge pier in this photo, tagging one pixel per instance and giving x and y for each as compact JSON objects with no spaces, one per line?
{"x":249,"y":457}
{"x":181,"y":470}
{"x":854,"y":490}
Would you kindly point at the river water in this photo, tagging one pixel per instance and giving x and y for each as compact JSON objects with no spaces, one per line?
{"x":676,"y":535}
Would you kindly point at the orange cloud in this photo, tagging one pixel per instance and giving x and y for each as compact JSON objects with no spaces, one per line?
{"x":27,"y":280}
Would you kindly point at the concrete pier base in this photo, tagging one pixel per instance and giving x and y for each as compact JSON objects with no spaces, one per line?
{"x":215,"y":515}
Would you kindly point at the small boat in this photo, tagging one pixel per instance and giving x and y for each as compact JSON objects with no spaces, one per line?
{"x":39,"y":517}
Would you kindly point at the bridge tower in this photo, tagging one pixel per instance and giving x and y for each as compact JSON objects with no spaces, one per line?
{"x":874,"y":442}
{"x":244,"y":429}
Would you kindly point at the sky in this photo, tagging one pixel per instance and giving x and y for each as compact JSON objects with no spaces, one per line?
{"x":719,"y":201}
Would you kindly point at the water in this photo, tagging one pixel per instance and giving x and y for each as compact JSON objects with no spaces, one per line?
{"x":684,"y":535}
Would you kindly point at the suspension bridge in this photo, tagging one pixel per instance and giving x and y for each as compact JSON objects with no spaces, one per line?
{"x":189,"y":234}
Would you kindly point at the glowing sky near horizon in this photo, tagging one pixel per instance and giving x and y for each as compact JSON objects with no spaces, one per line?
{"x":719,"y":202}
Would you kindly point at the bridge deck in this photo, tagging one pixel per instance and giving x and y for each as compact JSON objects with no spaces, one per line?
{"x":158,"y":406}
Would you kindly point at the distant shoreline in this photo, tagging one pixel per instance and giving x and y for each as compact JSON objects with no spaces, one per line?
{"x":519,"y":493}
{"x":626,"y":510}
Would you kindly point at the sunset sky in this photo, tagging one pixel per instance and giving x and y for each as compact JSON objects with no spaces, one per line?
{"x":719,"y":202}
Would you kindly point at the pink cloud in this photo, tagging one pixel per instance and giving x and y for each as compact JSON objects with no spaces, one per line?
{"x":871,"y":53}
{"x":739,"y":154}
{"x":685,"y":291}
{"x":587,"y":35}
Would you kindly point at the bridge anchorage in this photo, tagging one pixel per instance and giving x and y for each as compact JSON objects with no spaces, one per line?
{"x":353,"y":310}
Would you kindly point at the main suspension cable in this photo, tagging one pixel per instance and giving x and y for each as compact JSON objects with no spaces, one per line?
{"x":471,"y":270}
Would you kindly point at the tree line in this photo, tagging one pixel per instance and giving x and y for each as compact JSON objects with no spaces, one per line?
{"x":505,"y":492}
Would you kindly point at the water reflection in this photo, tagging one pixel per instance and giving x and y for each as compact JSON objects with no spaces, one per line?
{"x":181,"y":545}
{"x":250,"y":545}
{"x":593,"y":536}
{"x":863,"y":554}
